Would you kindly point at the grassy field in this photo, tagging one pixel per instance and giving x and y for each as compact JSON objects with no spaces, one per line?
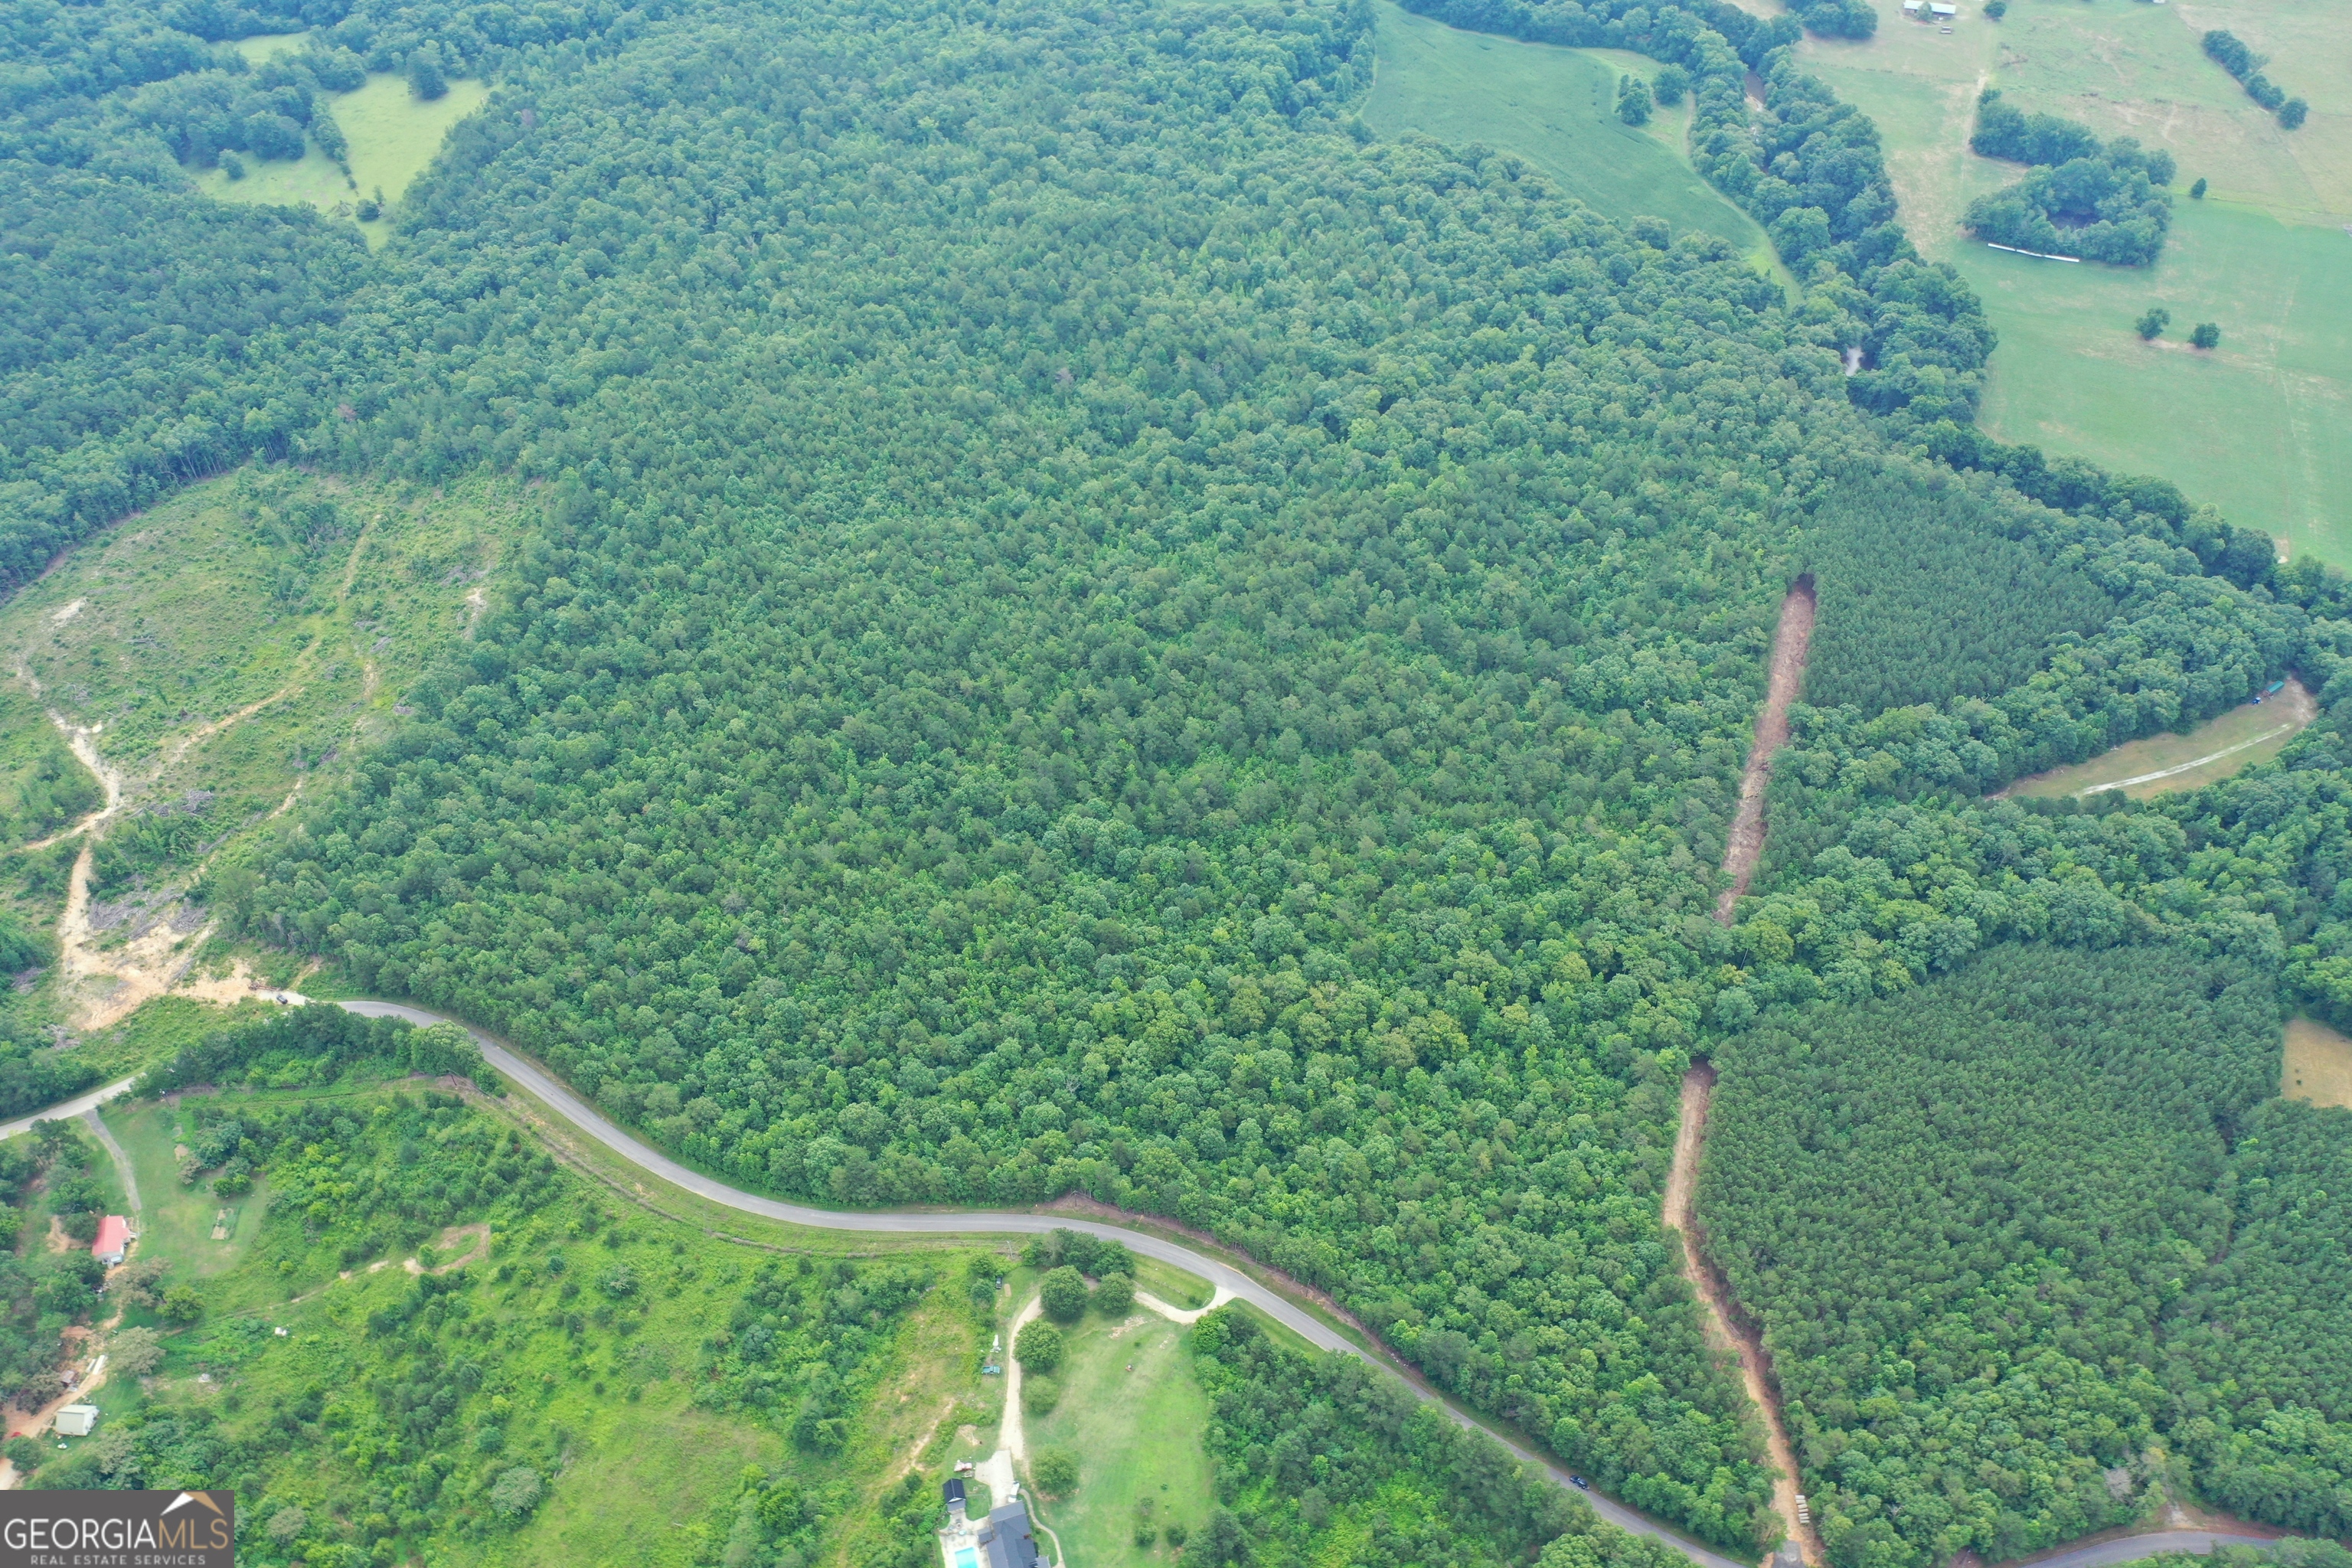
{"x":176,"y":1220}
{"x":1557,"y":110}
{"x":2248,"y":734}
{"x":1171,"y":1284}
{"x":1132,"y":1412}
{"x":2318,"y":1064}
{"x":2260,"y":427}
{"x":392,"y":136}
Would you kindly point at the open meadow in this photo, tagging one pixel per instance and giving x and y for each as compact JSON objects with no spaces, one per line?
{"x":2260,"y":427}
{"x":393,"y":134}
{"x":1557,"y":108}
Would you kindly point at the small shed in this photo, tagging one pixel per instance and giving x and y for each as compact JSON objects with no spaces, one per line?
{"x":76,"y":1420}
{"x":1942,"y":10}
{"x":113,"y":1240}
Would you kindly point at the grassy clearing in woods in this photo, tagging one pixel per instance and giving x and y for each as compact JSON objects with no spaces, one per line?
{"x":2248,"y":734}
{"x":221,"y":655}
{"x":393,"y":136}
{"x":1557,"y":108}
{"x":2318,"y":1064}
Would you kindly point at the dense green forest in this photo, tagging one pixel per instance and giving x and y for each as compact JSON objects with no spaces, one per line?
{"x":2007,"y":1235}
{"x":1925,"y":596}
{"x":1088,"y":628}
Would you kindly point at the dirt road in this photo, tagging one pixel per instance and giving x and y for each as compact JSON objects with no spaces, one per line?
{"x":1725,"y":1330}
{"x":1790,"y":644}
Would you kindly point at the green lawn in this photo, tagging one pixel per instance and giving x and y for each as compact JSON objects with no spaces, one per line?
{"x":1171,"y":1284}
{"x":1132,"y":1412}
{"x":178,"y":1220}
{"x":2259,"y":427}
{"x":1555,"y":108}
{"x":392,"y":136}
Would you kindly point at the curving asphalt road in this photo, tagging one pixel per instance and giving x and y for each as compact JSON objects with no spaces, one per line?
{"x":535,"y":1080}
{"x":542,"y":1085}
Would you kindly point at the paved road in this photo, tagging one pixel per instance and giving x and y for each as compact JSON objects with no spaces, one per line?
{"x":540,"y":1084}
{"x":74,"y":1106}
{"x":536,"y":1081}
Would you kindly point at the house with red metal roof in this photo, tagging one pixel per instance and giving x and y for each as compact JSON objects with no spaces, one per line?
{"x":113,"y":1240}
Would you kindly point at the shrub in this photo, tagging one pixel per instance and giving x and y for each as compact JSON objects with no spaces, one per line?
{"x":134,"y":1350}
{"x":2207,"y":336}
{"x":1054,"y":1472}
{"x":2292,"y":114}
{"x":2152,"y":324}
{"x":1040,"y":1394}
{"x":1115,"y":1296}
{"x":517,"y":1492}
{"x":2196,"y":191}
{"x":1065,"y":1295}
{"x":183,"y":1305}
{"x":1038,"y":1347}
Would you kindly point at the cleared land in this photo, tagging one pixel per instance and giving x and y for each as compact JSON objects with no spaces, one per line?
{"x":1555,"y":108}
{"x":214,"y":656}
{"x":2318,"y":1064}
{"x":2248,"y":734}
{"x":2263,"y":256}
{"x":392,"y":136}
{"x":1132,"y":1412}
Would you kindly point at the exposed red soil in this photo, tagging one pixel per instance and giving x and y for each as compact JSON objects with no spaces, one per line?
{"x":1746,"y":845}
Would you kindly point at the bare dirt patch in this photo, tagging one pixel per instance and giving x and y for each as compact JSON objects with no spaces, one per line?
{"x":1725,"y":1329}
{"x":1745,"y":845}
{"x":479,"y":1232}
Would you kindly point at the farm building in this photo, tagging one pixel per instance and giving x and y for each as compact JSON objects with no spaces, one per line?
{"x":113,"y":1240}
{"x":1942,"y":10}
{"x":76,"y":1420}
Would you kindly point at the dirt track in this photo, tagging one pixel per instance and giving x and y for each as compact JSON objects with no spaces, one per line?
{"x":1744,"y":845}
{"x":1725,"y":1331}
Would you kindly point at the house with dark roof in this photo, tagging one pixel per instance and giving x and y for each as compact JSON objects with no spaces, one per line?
{"x":1002,"y":1539}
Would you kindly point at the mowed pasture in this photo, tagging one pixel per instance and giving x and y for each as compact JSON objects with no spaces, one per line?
{"x":2160,"y":765}
{"x":1132,"y":1412}
{"x":2259,"y":425}
{"x":393,"y":136}
{"x":1557,"y":108}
